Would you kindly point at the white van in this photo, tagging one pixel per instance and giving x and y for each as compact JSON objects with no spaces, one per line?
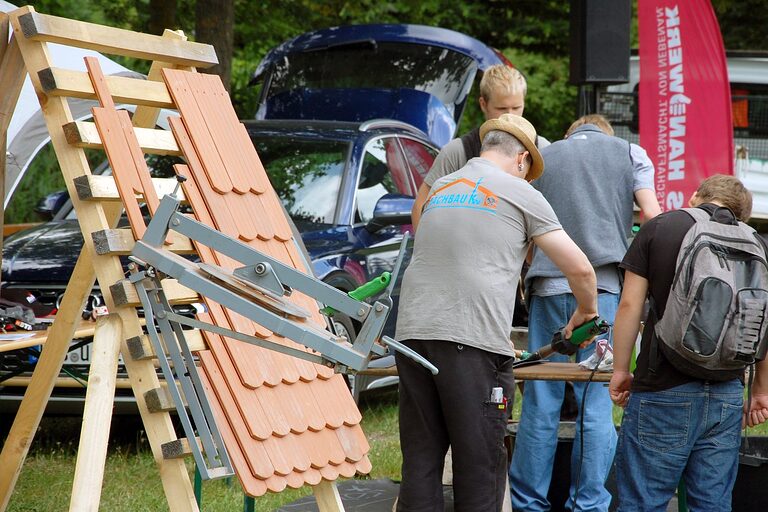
{"x":748,"y":75}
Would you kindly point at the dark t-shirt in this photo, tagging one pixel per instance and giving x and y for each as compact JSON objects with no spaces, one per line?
{"x":653,"y":255}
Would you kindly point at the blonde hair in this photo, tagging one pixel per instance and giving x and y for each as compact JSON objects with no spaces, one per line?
{"x":504,"y":78}
{"x":728,"y":191}
{"x":595,"y":119}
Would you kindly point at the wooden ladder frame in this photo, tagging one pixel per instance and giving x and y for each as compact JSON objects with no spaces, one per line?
{"x":98,"y":214}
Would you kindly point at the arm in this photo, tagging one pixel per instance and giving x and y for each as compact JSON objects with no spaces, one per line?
{"x":649,"y":205}
{"x":625,"y":329}
{"x":418,"y":204}
{"x":756,"y":412}
{"x":564,"y":253}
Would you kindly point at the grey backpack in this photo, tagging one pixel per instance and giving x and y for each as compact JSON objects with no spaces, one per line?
{"x":714,"y":319}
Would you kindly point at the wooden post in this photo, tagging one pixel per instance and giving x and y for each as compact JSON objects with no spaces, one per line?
{"x":327,"y":496}
{"x":99,"y":398}
{"x":12,"y":74}
{"x":43,"y":379}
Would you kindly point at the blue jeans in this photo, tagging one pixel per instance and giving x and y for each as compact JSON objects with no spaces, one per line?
{"x":691,"y":431}
{"x":531,"y":470}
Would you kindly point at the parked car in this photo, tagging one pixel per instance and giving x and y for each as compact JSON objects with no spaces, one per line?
{"x":362,"y":113}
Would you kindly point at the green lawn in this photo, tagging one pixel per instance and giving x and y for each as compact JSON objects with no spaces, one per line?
{"x":131,"y":481}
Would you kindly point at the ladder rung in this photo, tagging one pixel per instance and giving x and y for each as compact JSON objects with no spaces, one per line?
{"x":140,"y":347}
{"x":84,"y":134}
{"x":103,"y":188}
{"x":120,"y":242}
{"x":124,"y":293}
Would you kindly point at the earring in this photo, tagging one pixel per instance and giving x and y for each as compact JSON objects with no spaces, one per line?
{"x":520,"y":166}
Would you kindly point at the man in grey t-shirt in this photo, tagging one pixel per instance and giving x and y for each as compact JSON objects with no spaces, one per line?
{"x":456,"y":308}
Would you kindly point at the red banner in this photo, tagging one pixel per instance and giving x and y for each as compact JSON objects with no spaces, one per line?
{"x":685,"y":98}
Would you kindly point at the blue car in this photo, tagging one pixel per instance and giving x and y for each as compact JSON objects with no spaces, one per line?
{"x":349,"y":122}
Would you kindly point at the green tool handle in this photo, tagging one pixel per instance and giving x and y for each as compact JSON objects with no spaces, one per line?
{"x":373,"y":287}
{"x":588,"y":330}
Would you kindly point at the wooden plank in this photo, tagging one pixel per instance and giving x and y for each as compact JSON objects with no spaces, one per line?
{"x":120,"y":242}
{"x":99,"y":399}
{"x":103,"y":188}
{"x":60,"y":382}
{"x":327,"y":496}
{"x":9,"y":229}
{"x":85,"y":330}
{"x":141,"y":348}
{"x":115,"y":41}
{"x":108,"y":270}
{"x":133,"y":91}
{"x":84,"y":134}
{"x":559,"y":371}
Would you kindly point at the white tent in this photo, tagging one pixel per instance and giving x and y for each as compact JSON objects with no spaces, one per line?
{"x":27,"y":133}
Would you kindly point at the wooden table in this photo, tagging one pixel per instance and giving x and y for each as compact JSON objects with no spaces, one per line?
{"x":541,"y":371}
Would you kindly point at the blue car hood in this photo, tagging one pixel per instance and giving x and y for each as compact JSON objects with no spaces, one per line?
{"x":294,"y":88}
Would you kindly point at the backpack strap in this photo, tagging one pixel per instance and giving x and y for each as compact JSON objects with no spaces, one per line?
{"x":472,"y":144}
{"x":698,"y":214}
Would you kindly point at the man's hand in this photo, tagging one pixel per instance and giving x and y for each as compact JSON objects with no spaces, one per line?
{"x":578,"y":318}
{"x":756,"y":413}
{"x":618,"y":389}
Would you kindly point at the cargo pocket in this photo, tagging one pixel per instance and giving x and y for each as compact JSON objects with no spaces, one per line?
{"x":708,"y":320}
{"x":663,"y":426}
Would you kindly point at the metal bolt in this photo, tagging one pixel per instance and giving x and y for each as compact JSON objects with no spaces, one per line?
{"x":160,"y":314}
{"x":379,"y":308}
{"x":175,"y":222}
{"x":361,"y":312}
{"x":260,"y":268}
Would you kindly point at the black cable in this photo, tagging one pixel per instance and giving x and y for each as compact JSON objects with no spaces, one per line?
{"x":581,"y":425}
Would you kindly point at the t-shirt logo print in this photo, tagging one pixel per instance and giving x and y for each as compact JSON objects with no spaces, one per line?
{"x":463,"y":193}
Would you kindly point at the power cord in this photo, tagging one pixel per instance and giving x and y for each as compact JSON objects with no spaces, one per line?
{"x":581,"y":423}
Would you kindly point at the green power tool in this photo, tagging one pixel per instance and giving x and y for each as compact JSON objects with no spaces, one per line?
{"x":569,"y":346}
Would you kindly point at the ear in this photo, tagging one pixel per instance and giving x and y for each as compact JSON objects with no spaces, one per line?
{"x":694,"y":201}
{"x":483,"y":105}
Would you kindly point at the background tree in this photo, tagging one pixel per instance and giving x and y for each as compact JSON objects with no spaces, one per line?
{"x":214,"y":24}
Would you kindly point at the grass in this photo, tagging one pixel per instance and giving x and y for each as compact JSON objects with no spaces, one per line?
{"x":131,"y":481}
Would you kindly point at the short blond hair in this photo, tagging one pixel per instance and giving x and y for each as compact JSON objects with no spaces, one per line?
{"x":504,"y":78}
{"x":595,"y":119}
{"x":728,"y":191}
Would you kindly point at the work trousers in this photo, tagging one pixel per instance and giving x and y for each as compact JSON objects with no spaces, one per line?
{"x":453,"y":408}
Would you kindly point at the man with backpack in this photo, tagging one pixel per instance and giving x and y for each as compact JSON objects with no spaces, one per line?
{"x":706,"y":278}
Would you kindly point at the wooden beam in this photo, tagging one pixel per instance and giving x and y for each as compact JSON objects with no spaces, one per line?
{"x":92,"y":187}
{"x":124,"y":293}
{"x":115,"y":41}
{"x":83,"y":134}
{"x":141,"y":348}
{"x":120,"y":242}
{"x":134,"y":91}
{"x":179,"y":448}
{"x":4,"y":32}
{"x":327,"y":496}
{"x":99,"y":399}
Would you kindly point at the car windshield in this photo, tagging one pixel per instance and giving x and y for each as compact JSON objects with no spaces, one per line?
{"x":306,"y":174}
{"x":440,"y":72}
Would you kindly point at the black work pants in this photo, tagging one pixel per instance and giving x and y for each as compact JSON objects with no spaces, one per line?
{"x":453,"y":408}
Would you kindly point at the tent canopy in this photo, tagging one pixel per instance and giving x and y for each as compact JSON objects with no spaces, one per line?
{"x":27,"y":133}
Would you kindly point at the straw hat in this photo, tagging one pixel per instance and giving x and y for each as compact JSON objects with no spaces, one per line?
{"x":523,"y":131}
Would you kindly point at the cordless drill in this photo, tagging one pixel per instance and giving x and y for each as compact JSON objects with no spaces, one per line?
{"x":569,"y":346}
